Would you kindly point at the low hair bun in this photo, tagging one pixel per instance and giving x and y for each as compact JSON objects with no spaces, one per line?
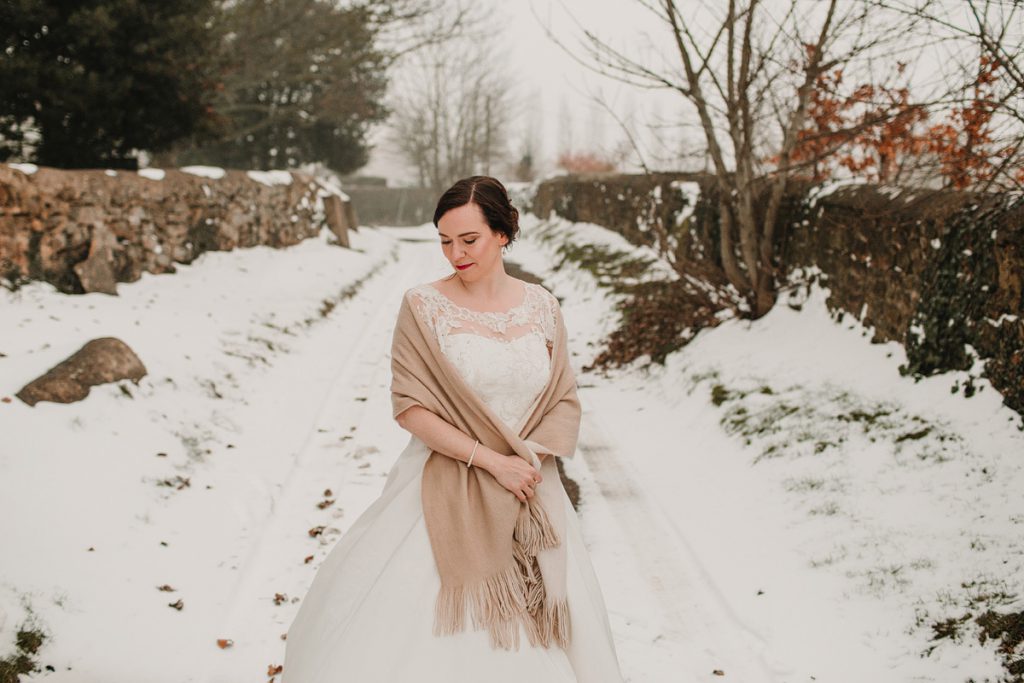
{"x":491,"y":196}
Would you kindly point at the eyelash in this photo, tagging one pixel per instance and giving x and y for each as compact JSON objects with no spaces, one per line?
{"x":467,"y":241}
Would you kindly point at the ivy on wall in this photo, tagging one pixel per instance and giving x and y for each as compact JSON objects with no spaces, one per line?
{"x":970,"y":305}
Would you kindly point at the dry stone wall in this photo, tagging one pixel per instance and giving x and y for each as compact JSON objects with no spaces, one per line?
{"x":86,"y":230}
{"x":941,"y":272}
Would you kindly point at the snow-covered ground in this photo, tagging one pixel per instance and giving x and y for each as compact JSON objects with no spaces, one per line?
{"x":835,"y":509}
{"x":740,"y":516}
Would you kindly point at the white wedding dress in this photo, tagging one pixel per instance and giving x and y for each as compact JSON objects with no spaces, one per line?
{"x":368,"y":614}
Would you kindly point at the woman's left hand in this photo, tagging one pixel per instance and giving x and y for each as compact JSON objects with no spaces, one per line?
{"x":515,"y":474}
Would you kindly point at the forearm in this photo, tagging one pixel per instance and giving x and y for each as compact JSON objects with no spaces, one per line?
{"x":445,"y":438}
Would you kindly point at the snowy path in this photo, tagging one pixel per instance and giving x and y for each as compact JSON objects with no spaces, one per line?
{"x":666,"y":614}
{"x":670,"y":601}
{"x":671,"y":611}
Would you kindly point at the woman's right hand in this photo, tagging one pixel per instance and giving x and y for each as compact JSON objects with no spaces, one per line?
{"x":515,"y":474}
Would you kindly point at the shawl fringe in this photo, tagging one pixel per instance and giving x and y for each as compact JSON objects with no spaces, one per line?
{"x":551,"y":625}
{"x":512,"y":596}
{"x":533,"y":529}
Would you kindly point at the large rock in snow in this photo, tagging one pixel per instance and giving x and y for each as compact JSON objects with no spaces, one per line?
{"x":102,"y":360}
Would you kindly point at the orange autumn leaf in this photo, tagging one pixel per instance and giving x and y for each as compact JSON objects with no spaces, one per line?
{"x":873,"y":130}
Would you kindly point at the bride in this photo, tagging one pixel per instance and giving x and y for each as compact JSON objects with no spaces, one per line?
{"x":470,"y":566}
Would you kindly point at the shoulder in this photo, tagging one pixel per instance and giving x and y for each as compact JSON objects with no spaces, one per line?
{"x":542,"y":294}
{"x":432,"y":288}
{"x":416,"y":298}
{"x":421,"y":290}
{"x":536,"y":288}
{"x":546,"y":306}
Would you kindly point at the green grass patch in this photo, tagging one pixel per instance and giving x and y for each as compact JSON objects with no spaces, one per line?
{"x":28,"y":641}
{"x":799,"y":421}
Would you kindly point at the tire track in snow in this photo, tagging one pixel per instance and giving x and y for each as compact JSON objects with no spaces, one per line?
{"x":272,"y":560}
{"x":681,"y":604}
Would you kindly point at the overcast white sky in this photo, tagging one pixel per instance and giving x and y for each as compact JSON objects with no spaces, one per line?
{"x":556,"y":92}
{"x":554,"y":89}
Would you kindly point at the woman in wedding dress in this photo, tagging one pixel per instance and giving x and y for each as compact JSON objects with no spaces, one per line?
{"x":373,"y":612}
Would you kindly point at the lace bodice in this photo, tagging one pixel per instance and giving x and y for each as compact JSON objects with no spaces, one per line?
{"x":502,"y":356}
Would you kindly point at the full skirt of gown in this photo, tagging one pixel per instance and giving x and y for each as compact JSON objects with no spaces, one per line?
{"x":368,"y":615}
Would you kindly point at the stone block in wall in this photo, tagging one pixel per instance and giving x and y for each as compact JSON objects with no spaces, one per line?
{"x":337,"y":219}
{"x":351,"y":217}
{"x":96,"y":272}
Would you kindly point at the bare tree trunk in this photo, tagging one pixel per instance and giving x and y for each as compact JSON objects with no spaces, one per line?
{"x":728,"y":251}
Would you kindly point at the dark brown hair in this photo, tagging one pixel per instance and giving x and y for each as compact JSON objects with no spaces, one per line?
{"x":492,"y":198}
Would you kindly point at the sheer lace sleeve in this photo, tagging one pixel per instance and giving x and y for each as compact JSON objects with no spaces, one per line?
{"x":551,"y":312}
{"x":428,"y":308}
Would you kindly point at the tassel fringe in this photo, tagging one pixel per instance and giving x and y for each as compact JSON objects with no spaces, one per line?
{"x":534,"y":530}
{"x":550,"y":625}
{"x":512,"y":596}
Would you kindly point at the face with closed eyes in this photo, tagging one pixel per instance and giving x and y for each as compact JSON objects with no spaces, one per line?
{"x":469,"y":243}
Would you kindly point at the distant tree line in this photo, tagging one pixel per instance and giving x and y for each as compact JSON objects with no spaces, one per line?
{"x":452,"y":112}
{"x":237,"y":83}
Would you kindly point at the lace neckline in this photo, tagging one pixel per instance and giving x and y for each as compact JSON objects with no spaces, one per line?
{"x":498,"y":314}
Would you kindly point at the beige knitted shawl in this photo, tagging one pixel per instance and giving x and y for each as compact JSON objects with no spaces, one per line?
{"x":501,"y":559}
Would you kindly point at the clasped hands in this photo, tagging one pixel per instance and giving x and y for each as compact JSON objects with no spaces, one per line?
{"x":511,"y":471}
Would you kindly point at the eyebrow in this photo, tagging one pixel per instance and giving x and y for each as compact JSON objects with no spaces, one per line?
{"x":462,"y":234}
